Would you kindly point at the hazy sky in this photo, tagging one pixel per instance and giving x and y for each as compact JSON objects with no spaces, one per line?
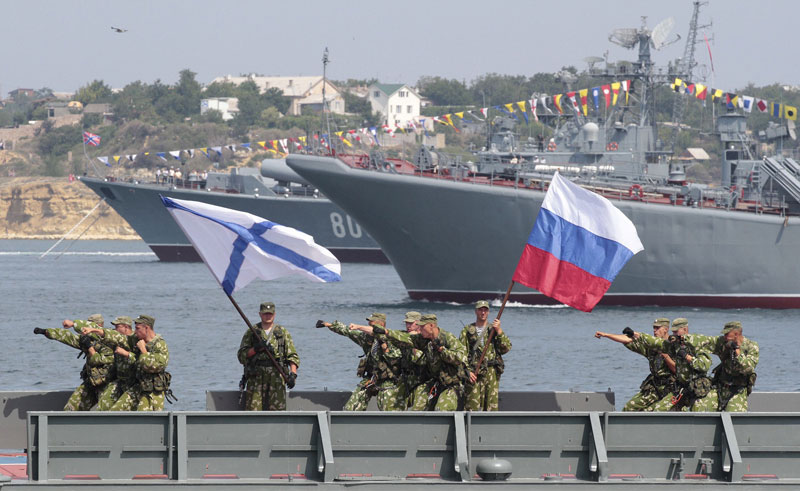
{"x":64,"y":44}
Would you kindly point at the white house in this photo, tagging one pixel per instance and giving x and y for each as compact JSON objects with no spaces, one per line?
{"x":228,"y":106}
{"x":398,"y":103}
{"x":301,"y":91}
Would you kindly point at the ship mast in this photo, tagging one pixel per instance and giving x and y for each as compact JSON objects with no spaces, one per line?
{"x":325,"y":116}
{"x":684,"y":71}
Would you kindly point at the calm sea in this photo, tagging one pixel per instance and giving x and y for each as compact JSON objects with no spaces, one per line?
{"x":553,"y":347}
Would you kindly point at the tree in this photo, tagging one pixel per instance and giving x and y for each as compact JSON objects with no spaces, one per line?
{"x":188,"y":92}
{"x":133,"y":102}
{"x":96,"y":91}
{"x":444,"y":92}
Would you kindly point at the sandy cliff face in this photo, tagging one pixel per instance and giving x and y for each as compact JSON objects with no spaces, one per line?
{"x":47,"y":208}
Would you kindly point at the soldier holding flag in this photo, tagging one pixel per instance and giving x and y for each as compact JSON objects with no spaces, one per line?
{"x":264,"y":385}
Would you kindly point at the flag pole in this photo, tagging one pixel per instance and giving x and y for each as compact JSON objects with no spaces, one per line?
{"x":491,"y":331}
{"x":255,"y":332}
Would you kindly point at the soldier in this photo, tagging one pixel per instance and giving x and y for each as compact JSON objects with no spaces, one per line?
{"x":662,"y":369}
{"x":735,"y":376}
{"x":98,"y":370}
{"x":413,"y":369}
{"x":264,"y":385}
{"x":125,"y":365}
{"x":693,"y":390}
{"x":483,"y":390}
{"x":379,"y":369}
{"x":445,"y":357}
{"x":149,"y":350}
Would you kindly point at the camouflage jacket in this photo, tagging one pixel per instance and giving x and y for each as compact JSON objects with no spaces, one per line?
{"x":448,"y":366}
{"x":475,"y":343}
{"x":684,"y":371}
{"x":384,"y":364}
{"x":282,"y":347}
{"x":126,"y":365}
{"x":154,"y":361}
{"x":733,"y":370}
{"x":413,"y":367}
{"x":658,"y":368}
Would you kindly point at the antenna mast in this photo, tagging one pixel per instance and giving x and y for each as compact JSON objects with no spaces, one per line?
{"x":684,"y":71}
{"x":325,"y":62}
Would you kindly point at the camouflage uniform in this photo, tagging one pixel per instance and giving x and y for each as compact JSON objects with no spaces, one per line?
{"x":152,"y":379}
{"x":125,"y":378}
{"x":657,"y":385}
{"x":379,"y":369}
{"x":447,"y":367}
{"x":97,"y":372}
{"x":693,"y":391}
{"x":265,"y":389}
{"x":484,"y":394}
{"x":414,"y":378}
{"x":735,"y":376}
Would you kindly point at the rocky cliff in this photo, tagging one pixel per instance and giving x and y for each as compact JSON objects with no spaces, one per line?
{"x":47,"y":208}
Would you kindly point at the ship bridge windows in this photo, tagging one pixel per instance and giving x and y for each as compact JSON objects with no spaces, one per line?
{"x":733,"y":155}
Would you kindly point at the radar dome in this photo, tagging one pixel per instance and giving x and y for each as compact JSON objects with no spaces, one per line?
{"x":590,"y":132}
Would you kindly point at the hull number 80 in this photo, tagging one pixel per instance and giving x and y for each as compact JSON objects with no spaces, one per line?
{"x":343,"y":226}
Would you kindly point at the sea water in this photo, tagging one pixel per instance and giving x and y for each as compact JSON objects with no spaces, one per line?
{"x":553,"y":347}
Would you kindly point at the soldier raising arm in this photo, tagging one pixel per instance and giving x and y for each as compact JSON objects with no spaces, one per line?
{"x":662,"y":368}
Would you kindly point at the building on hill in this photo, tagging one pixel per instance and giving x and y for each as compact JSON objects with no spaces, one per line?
{"x":398,"y":103}
{"x":303,"y":92}
{"x":227,"y":106}
{"x":14,"y":94}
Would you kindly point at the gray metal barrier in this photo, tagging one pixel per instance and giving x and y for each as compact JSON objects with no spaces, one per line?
{"x":342,"y":447}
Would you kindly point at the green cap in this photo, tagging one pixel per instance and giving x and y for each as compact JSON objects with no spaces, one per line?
{"x":661,"y":322}
{"x":427,"y":319}
{"x":481,"y":303}
{"x":96,"y":318}
{"x":679,"y":322}
{"x":731,"y":326}
{"x":267,"y":308}
{"x":412,"y":316}
{"x":377,"y":316}
{"x":145,"y":319}
{"x":123,"y":319}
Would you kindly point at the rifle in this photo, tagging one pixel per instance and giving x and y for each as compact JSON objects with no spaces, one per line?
{"x":491,"y":332}
{"x":255,"y":332}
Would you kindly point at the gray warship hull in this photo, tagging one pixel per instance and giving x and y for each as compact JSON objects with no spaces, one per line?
{"x":461,"y":241}
{"x":140,"y":206}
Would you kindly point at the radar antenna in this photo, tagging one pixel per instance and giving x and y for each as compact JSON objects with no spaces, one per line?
{"x":658,"y":38}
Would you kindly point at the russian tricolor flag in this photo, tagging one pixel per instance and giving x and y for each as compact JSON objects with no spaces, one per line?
{"x":578,"y":245}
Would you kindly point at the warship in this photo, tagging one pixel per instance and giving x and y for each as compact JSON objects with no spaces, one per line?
{"x":455,"y":231}
{"x":275,"y":192}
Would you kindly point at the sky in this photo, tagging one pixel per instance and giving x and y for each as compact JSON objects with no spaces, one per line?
{"x":66,"y":44}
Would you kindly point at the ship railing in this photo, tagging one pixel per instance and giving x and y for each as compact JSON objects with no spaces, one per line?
{"x":338,"y":447}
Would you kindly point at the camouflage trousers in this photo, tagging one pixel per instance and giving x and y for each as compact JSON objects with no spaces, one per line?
{"x":645,"y":400}
{"x":708,"y":403}
{"x":265,"y":391}
{"x":737,"y":403}
{"x":389,"y":395}
{"x":111,"y":394}
{"x":484,"y":394}
{"x":417,"y":397}
{"x":136,"y":400}
{"x":83,"y":397}
{"x":446,"y":401}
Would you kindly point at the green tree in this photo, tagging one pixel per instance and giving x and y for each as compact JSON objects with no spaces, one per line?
{"x":96,"y":91}
{"x":444,"y":92}
{"x":188,"y":94}
{"x":133,"y":102}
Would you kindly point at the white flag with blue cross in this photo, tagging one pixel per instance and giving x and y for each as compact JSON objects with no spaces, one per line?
{"x":239,"y":247}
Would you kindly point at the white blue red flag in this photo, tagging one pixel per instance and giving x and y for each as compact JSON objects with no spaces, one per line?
{"x":239,"y":247}
{"x":578,"y":245}
{"x":91,"y":139}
